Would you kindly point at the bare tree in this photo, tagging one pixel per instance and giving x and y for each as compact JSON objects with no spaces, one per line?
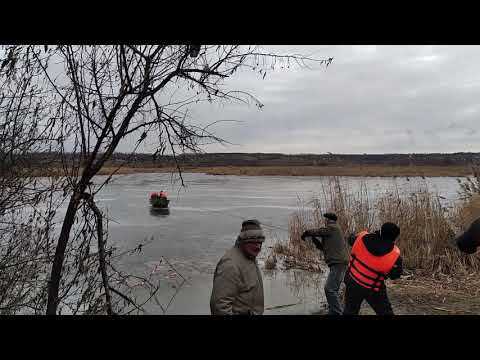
{"x":26,"y":243}
{"x":98,"y":97}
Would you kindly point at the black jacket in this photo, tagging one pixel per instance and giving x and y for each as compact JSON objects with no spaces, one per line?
{"x":378,"y":247}
{"x":466,"y":244}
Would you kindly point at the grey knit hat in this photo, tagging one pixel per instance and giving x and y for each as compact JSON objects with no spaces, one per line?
{"x":251,"y":231}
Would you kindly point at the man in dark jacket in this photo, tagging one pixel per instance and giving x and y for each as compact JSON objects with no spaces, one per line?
{"x":374,"y":258}
{"x":469,"y":241}
{"x":335,"y":250}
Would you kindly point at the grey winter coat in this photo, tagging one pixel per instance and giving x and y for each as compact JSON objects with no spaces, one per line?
{"x":237,"y":286}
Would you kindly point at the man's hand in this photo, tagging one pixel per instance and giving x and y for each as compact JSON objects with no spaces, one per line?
{"x":351,"y":239}
{"x":305,"y":234}
{"x":314,"y":236}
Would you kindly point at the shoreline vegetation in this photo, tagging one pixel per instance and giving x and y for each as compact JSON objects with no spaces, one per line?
{"x":354,"y":170}
{"x":439,"y":279}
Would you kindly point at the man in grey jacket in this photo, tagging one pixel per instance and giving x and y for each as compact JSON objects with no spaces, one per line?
{"x":237,"y":282}
{"x":335,"y":250}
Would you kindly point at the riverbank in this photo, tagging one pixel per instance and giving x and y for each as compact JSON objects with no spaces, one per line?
{"x":440,"y":280}
{"x":422,"y":294}
{"x":345,"y":170}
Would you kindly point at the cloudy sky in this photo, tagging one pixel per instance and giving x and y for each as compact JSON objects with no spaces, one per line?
{"x":371,"y":99}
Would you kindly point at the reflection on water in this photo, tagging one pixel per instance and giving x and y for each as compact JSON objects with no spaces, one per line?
{"x":299,"y":287}
{"x":159,"y":212}
{"x":302,"y":282}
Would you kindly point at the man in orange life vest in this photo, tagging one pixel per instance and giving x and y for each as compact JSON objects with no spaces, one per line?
{"x":374,"y":257}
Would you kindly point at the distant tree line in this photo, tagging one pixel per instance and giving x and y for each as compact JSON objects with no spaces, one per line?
{"x":39,"y":160}
{"x":269,"y":159}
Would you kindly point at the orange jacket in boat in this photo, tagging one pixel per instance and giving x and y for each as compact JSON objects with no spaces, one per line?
{"x":369,"y":270}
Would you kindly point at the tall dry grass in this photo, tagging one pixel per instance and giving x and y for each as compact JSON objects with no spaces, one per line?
{"x":427,"y":227}
{"x":336,"y":170}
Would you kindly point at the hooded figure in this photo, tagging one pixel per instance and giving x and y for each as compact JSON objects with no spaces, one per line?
{"x":469,"y":241}
{"x":237,"y":282}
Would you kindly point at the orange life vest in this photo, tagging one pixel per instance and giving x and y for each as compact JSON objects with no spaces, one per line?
{"x":369,"y":270}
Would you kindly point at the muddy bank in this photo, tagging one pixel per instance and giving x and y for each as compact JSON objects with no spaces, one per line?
{"x":443,"y":295}
{"x":423,"y":295}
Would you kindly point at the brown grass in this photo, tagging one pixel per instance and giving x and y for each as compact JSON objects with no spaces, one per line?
{"x":344,"y":170}
{"x":437,"y":295}
{"x":271,"y":262}
{"x":469,"y":211}
{"x":427,"y":228}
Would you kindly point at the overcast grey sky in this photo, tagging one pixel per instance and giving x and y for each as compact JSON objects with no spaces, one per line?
{"x":371,"y":99}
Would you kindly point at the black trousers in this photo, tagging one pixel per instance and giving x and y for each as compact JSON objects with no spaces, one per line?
{"x":355,"y":294}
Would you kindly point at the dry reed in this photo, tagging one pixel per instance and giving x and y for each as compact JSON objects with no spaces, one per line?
{"x":427,"y":227}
